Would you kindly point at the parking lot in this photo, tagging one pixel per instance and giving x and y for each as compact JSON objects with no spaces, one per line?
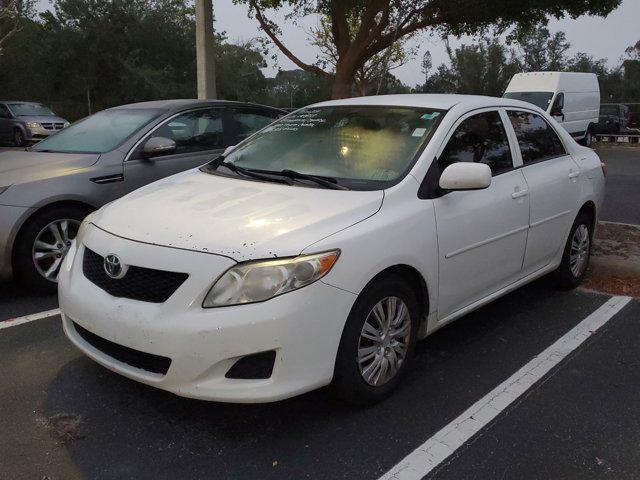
{"x":65,"y":417}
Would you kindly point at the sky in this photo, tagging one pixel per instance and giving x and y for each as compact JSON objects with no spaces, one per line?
{"x":601,"y":37}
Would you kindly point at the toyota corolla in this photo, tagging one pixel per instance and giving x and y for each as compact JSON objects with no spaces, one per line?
{"x":319,"y":250}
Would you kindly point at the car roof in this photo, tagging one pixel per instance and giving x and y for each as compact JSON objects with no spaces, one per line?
{"x":438,"y":101}
{"x":179,"y":104}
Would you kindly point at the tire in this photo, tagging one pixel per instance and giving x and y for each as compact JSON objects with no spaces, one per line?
{"x":31,"y":273}
{"x":349,"y":383}
{"x":18,"y":138}
{"x":587,"y":141}
{"x":566,"y":277}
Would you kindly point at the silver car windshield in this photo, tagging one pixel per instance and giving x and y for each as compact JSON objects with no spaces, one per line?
{"x":26,"y":109}
{"x":98,"y":133}
{"x":362,"y":147}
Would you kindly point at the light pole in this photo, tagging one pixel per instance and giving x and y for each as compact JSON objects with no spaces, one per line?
{"x":204,"y":50}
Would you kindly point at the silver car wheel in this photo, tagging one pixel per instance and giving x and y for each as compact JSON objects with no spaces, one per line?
{"x":51,"y":245}
{"x":384,"y":341}
{"x":579,"y":254}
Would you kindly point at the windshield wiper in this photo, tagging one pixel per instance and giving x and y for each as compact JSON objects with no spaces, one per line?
{"x":327,"y":182}
{"x":219,"y":162}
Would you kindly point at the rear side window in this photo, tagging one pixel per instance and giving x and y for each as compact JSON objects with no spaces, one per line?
{"x":537,"y":140}
{"x":480,"y":138}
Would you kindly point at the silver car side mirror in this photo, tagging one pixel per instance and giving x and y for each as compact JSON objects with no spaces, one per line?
{"x":158,"y":146}
{"x":465,"y":176}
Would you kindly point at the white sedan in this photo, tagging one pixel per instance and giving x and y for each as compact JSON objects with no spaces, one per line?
{"x":319,"y":250}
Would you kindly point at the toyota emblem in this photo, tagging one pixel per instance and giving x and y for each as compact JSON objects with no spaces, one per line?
{"x":113,"y":266}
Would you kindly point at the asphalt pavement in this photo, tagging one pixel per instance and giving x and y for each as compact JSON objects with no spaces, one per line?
{"x":64,"y":417}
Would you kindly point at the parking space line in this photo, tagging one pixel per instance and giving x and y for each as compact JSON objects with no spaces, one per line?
{"x":444,"y":443}
{"x":12,"y":322}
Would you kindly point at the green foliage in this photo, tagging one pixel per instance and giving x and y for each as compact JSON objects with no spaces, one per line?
{"x":86,"y":55}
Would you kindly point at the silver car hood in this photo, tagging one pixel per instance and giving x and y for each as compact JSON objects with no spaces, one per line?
{"x":20,"y":166}
{"x":42,"y":118}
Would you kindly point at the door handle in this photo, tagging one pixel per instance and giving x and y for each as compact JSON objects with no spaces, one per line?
{"x":573,"y":174}
{"x":520,"y":193}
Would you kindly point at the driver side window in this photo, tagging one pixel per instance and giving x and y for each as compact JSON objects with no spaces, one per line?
{"x":480,"y":138}
{"x":194,"y":131}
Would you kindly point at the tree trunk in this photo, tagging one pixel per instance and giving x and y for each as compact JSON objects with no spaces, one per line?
{"x":342,"y":82}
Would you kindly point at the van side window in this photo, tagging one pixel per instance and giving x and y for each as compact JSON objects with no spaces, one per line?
{"x":558,"y":103}
{"x":480,"y":138}
{"x":537,"y":140}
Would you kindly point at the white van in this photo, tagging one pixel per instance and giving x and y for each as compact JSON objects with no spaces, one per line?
{"x":573,"y":99}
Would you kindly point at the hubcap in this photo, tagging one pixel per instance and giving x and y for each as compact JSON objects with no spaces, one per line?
{"x":579,"y":254}
{"x":384,"y":341}
{"x":51,"y":245}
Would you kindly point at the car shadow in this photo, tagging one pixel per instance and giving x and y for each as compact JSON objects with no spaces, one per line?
{"x":129,"y":430}
{"x":17,"y":301}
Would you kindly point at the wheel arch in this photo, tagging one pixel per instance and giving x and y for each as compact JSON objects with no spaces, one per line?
{"x":43,"y":208}
{"x":414,"y":278}
{"x":589,"y":208}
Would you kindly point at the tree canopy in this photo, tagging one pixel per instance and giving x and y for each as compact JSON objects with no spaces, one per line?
{"x":382,"y":23}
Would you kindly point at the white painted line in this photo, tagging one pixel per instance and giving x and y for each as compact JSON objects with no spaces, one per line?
{"x":12,"y":322}
{"x":434,"y":451}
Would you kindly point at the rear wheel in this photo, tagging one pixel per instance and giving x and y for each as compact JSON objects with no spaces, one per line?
{"x":577,"y":251}
{"x":377,"y":343}
{"x":42,"y":245}
{"x":588,"y":138}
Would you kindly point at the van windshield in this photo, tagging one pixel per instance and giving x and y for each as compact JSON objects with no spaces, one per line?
{"x":361,"y":147}
{"x":539,"y":99}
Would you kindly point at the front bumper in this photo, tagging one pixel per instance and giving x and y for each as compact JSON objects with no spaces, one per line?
{"x":302,"y":327}
{"x":38,"y":133}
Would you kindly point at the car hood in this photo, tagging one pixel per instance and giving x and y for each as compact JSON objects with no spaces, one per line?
{"x":21,"y":166}
{"x":42,"y":118}
{"x":238,"y":218}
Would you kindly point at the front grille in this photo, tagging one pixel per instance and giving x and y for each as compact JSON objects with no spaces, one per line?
{"x":48,"y":126}
{"x":143,"y":284}
{"x":52,"y":126}
{"x":135,"y":358}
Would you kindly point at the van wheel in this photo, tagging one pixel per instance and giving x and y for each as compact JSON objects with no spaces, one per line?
{"x":577,"y":251}
{"x":42,"y":245}
{"x":18,"y":138}
{"x":378,"y":342}
{"x":588,"y":139}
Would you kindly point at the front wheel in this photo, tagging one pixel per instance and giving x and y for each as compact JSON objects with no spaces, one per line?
{"x":576,"y":255}
{"x":42,"y":245}
{"x":18,"y":138}
{"x":377,"y":343}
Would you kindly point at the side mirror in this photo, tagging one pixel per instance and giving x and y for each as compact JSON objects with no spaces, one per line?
{"x":556,"y":111}
{"x":465,"y":176}
{"x":228,"y":150}
{"x":156,"y":146}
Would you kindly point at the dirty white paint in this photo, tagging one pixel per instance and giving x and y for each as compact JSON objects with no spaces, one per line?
{"x":444,"y":443}
{"x":12,"y":322}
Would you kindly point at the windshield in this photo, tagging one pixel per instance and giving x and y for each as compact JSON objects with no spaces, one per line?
{"x":98,"y":133}
{"x":24,"y":109}
{"x":363,"y":147}
{"x":539,"y":99}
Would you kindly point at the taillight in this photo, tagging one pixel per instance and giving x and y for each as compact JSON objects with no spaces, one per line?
{"x":604,"y":168}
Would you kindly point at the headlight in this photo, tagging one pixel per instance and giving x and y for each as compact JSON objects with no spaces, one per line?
{"x":66,"y":124}
{"x":258,"y":281}
{"x":33,"y":125}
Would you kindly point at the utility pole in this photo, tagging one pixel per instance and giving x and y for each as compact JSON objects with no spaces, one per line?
{"x":204,"y":50}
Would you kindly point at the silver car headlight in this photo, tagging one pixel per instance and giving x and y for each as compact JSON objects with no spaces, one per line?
{"x":259,"y":281}
{"x":33,"y":125}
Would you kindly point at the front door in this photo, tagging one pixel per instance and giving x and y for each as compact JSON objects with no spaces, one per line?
{"x":200,"y":136}
{"x":481,"y":233}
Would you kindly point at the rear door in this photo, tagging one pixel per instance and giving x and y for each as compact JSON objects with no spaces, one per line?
{"x":245,"y":121}
{"x":552,"y":179}
{"x":481,"y":233}
{"x":200,"y":135}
